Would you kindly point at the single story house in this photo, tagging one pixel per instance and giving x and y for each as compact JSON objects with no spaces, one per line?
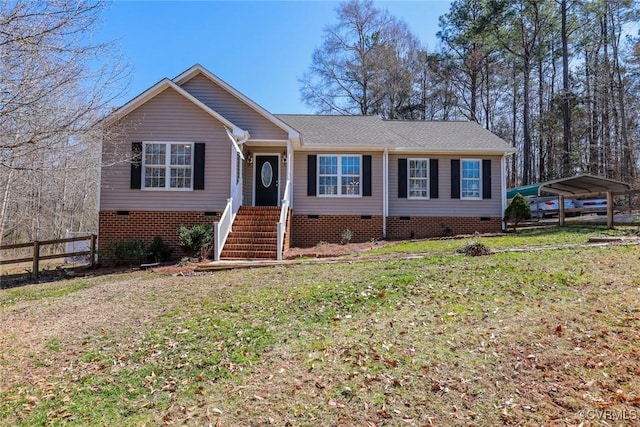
{"x":194,"y":150}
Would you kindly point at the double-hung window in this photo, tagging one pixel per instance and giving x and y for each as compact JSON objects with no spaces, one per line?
{"x":418,"y":177}
{"x":339,"y":175}
{"x":167,"y":165}
{"x":470,"y":182}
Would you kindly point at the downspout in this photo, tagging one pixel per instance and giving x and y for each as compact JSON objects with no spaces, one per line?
{"x":100,"y":164}
{"x":244,"y":139}
{"x":290,"y":172}
{"x":232,"y":177}
{"x":99,"y":192}
{"x":239,"y":144}
{"x":385,"y":191}
{"x":503,"y":190}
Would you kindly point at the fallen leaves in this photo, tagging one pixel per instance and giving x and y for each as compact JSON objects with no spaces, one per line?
{"x":418,"y":343}
{"x":559,"y":330}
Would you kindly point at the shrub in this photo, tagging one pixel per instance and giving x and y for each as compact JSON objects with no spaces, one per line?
{"x":125,"y":252}
{"x":345,"y":236}
{"x":518,"y":210}
{"x":195,"y":240}
{"x":158,"y":250}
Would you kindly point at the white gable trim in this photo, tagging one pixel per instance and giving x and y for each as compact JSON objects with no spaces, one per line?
{"x":199,"y":69}
{"x":160,"y":87}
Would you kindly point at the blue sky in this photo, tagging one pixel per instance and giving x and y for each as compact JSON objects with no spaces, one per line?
{"x":260,"y":48}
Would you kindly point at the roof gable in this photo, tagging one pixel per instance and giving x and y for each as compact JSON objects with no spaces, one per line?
{"x":158,"y":88}
{"x":198,"y":69}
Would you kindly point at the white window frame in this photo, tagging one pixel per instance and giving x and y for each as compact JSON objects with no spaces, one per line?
{"x":463,"y":179}
{"x":167,"y":165}
{"x":425,"y":179}
{"x":339,"y":176}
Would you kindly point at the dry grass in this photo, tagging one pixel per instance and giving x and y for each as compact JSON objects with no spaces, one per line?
{"x":544,"y":338}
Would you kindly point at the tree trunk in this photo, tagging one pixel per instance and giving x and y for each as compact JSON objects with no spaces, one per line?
{"x":543,"y":166}
{"x":526,"y":131}
{"x":566,"y":95}
{"x":5,"y":203}
{"x":487,"y":84}
{"x":626,"y":151}
{"x":514,"y":129}
{"x":473,"y":92}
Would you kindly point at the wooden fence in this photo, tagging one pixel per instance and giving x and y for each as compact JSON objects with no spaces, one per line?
{"x":35,"y":258}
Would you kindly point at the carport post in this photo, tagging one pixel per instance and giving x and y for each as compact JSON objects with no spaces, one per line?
{"x":609,"y":209}
{"x":561,"y":210}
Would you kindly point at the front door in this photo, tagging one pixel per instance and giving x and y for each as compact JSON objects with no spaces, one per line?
{"x":266,"y":180}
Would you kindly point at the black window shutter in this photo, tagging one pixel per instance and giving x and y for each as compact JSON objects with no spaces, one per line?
{"x":455,"y":178}
{"x":402,"y":178}
{"x":198,"y":166}
{"x":433,"y":178}
{"x":136,"y":165}
{"x":366,"y":175}
{"x":486,"y":179}
{"x":312,"y":167}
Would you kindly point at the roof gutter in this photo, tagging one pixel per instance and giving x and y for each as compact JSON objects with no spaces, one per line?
{"x":417,"y":150}
{"x":405,"y":150}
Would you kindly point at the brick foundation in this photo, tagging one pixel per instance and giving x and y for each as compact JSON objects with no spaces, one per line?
{"x":302,"y":230}
{"x":309,"y":230}
{"x":145,"y":225}
{"x":421,"y":226}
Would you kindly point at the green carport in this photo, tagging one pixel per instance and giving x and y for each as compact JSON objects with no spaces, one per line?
{"x":527,"y":190}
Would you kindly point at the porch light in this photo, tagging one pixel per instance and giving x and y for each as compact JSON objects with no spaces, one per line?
{"x":284,"y":157}
{"x":249,"y":157}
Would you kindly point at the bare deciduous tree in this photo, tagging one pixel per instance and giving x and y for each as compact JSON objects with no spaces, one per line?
{"x":366,"y":64}
{"x":55,"y":83}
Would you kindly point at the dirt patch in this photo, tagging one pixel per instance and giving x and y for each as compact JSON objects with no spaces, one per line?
{"x":330,"y":250}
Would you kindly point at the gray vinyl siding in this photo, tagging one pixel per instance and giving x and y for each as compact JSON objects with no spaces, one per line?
{"x":444,"y":205}
{"x":168,"y":117}
{"x":303,"y":204}
{"x":232,"y":109}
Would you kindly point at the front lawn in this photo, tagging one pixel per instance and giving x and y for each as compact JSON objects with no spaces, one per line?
{"x":515,"y":338}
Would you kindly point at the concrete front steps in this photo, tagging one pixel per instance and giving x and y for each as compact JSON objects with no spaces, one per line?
{"x":254,"y":234}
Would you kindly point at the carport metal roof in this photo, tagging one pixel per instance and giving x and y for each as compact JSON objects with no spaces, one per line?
{"x":582,"y":184}
{"x":574,"y":186}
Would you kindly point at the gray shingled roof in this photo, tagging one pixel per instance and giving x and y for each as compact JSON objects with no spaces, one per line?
{"x":371,"y":131}
{"x":357,"y":131}
{"x":443,"y":136}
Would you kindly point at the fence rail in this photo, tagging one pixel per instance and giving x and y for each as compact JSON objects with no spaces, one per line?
{"x":35,"y":258}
